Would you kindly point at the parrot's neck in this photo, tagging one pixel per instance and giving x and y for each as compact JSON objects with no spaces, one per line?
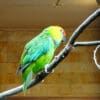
{"x":48,"y":34}
{"x":56,"y":43}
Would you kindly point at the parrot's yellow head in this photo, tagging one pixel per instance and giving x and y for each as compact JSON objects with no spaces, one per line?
{"x":57,"y":33}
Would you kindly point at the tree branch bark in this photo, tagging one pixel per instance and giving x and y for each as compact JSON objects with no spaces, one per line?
{"x":58,"y":58}
{"x":87,"y":43}
{"x":94,"y":57}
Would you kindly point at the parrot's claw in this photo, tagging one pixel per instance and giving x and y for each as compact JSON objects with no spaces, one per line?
{"x":56,"y":57}
{"x":52,"y":71}
{"x":42,"y":81}
{"x":46,"y":69}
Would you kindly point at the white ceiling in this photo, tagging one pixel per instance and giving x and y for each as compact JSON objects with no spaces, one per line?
{"x":41,"y":13}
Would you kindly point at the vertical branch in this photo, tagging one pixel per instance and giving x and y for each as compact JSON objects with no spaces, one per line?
{"x":80,"y":29}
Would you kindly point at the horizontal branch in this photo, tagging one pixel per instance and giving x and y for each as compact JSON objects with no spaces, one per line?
{"x":86,"y":43}
{"x":58,"y":58}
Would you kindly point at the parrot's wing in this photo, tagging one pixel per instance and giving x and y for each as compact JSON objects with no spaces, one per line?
{"x":33,"y":50}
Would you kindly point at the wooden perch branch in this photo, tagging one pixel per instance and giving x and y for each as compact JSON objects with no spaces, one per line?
{"x":94,"y":56}
{"x":58,"y":58}
{"x":87,"y":43}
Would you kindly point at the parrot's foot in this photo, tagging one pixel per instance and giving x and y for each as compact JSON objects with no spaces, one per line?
{"x":52,"y":71}
{"x":42,"y":81}
{"x":46,"y":69}
{"x":56,"y":57}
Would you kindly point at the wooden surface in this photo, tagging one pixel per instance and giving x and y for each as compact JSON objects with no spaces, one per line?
{"x":53,"y":98}
{"x":41,"y":13}
{"x":76,"y":76}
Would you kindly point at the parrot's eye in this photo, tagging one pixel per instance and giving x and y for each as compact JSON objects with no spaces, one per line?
{"x":63,"y":32}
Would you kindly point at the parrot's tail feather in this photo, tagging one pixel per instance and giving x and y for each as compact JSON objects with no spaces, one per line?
{"x":27,"y":82}
{"x":22,"y":68}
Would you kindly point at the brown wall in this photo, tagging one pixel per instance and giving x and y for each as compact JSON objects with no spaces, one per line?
{"x":76,"y":76}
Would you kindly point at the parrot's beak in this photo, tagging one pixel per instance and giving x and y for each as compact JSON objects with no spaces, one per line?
{"x":64,"y":39}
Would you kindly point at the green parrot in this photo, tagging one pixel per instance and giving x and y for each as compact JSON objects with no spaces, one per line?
{"x":39,"y":52}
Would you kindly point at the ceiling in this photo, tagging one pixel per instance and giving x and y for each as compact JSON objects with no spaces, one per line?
{"x":41,"y":13}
